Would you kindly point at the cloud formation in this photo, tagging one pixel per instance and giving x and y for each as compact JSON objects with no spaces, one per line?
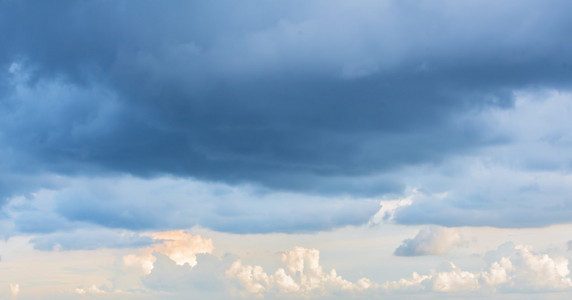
{"x":118,"y":119}
{"x":536,"y":126}
{"x":529,"y":270}
{"x":303,"y":276}
{"x":512,"y":268}
{"x":431,"y":240}
{"x":183,"y":265}
{"x":450,"y":281}
{"x":84,"y":205}
{"x":279,"y":95}
{"x":501,"y":185}
{"x":180,"y":247}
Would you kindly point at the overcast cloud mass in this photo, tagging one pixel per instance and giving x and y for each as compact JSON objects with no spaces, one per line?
{"x":121,"y":119}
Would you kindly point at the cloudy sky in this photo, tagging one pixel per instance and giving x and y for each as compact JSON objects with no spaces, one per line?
{"x":285,"y":149}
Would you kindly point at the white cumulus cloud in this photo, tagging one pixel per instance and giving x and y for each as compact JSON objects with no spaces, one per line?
{"x":453,"y":280}
{"x":514,"y":268}
{"x":302,"y":276}
{"x":535,"y":271}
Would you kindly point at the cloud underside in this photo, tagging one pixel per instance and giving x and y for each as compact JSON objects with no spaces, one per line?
{"x":302,"y":101}
{"x":242,"y":103}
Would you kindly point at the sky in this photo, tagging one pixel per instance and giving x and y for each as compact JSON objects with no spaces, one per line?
{"x":285,"y":149}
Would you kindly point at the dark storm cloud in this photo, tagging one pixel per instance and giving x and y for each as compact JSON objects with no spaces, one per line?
{"x":268,"y":91}
{"x":308,"y":96}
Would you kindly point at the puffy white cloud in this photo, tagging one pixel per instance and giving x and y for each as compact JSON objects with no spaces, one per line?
{"x":511,"y":268}
{"x":455,"y":280}
{"x":452,"y":280}
{"x":415,"y":282}
{"x":253,"y":278}
{"x":431,"y":240}
{"x":302,"y":276}
{"x":498,"y":272}
{"x":179,"y":246}
{"x":514,"y":268}
{"x":526,"y":269}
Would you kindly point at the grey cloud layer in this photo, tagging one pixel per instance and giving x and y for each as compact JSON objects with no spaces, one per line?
{"x":167,"y":204}
{"x":524,"y":183}
{"x":324,"y":97}
{"x":268,"y":93}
